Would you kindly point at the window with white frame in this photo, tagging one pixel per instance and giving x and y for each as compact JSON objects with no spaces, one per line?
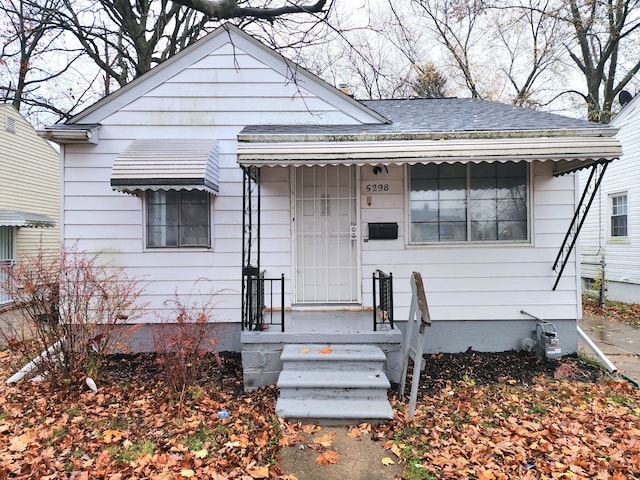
{"x":619,"y":217}
{"x":178,"y":218}
{"x":469,"y":202}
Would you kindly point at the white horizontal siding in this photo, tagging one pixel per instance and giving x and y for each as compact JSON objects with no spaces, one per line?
{"x":227,"y":57}
{"x":462,"y":282}
{"x":225,"y":105}
{"x":465,"y":282}
{"x":241,"y":119}
{"x":211,"y":100}
{"x":173,"y":90}
{"x":622,"y":258}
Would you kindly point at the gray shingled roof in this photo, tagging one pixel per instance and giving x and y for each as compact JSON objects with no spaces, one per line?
{"x":421,"y":115}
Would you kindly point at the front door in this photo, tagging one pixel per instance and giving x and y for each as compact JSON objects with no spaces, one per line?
{"x":326,"y":235}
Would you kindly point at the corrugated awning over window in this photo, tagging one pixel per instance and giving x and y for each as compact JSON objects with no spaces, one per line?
{"x":164,"y":164}
{"x":15,"y":218}
{"x":569,"y":153}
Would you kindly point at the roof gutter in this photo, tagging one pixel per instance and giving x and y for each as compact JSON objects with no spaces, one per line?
{"x":71,"y":134}
{"x":363,"y":135}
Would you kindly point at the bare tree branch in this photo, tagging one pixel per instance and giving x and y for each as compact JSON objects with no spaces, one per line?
{"x":228,"y":9}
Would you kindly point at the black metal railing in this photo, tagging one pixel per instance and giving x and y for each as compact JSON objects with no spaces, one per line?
{"x":382,"y":293}
{"x":262,"y":301}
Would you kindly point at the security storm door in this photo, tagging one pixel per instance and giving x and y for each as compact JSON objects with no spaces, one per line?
{"x":326,"y":235}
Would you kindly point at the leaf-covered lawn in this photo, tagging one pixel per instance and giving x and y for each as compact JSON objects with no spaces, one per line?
{"x":628,"y":313}
{"x":550,"y":428}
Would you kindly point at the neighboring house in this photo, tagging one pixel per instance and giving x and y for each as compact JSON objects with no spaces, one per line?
{"x":29,"y":190}
{"x":230,"y":171}
{"x":610,"y":238}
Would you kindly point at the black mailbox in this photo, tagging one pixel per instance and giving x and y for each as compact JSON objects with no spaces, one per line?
{"x":383,"y":231}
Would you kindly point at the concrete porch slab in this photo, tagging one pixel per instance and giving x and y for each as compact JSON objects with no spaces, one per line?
{"x":261,"y":350}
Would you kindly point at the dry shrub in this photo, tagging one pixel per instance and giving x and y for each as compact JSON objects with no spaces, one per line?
{"x":184,"y":346}
{"x":73,"y":310}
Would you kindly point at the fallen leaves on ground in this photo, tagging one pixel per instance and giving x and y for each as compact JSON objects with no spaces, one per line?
{"x":550,"y":429}
{"x":628,"y":313}
{"x":131,"y":430}
{"x":325,"y":440}
{"x":327,"y":457}
{"x":533,"y":427}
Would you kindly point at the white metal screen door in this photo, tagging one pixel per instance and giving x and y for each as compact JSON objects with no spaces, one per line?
{"x":326,"y":235}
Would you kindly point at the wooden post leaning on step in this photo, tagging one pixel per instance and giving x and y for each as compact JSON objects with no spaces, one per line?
{"x":419,"y":310}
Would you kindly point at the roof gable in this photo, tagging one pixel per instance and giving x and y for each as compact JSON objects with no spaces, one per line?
{"x":289,"y":72}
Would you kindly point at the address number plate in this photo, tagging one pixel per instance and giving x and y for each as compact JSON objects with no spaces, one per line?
{"x":383,"y":187}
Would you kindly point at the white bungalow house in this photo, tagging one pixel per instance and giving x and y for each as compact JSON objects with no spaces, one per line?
{"x":294,"y":203}
{"x":610,"y":238}
{"x":29,"y":192}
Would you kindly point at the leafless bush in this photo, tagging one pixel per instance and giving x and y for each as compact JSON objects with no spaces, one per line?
{"x":73,"y":307}
{"x":184,"y":345}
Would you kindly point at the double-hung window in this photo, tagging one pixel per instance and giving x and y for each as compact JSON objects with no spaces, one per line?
{"x":178,"y":218}
{"x":619,"y":215}
{"x":469,"y":202}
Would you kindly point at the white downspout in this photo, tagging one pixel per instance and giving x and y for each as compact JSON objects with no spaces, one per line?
{"x":607,"y":363}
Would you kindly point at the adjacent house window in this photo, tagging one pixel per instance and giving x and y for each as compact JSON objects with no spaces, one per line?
{"x":7,"y":256}
{"x":178,"y":218}
{"x":619,"y":215}
{"x":469,"y":202}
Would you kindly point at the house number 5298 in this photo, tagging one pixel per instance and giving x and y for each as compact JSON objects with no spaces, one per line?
{"x":376,"y":187}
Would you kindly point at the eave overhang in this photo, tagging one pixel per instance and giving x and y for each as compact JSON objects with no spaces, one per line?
{"x":62,"y":134}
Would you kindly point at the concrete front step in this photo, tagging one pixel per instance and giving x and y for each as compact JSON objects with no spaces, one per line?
{"x":334,"y":412}
{"x":332,"y":357}
{"x":366,"y":384}
{"x":333,"y":384}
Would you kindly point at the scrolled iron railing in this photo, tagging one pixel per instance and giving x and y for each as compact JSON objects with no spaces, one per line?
{"x":382,"y":299}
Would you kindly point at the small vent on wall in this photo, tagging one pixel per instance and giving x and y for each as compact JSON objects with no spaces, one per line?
{"x":10,"y":124}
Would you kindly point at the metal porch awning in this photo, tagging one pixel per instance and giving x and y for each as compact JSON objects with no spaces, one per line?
{"x":569,"y":153}
{"x":15,"y":218}
{"x":167,"y":164}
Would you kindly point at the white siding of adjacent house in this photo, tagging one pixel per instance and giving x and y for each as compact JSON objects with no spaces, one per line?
{"x":214,"y":99}
{"x":29,"y":181}
{"x":622,"y":176}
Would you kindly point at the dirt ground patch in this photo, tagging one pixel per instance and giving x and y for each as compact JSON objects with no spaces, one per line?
{"x":514,"y":368}
{"x":324,"y":453}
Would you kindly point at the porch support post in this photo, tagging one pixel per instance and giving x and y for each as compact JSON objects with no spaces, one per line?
{"x":246,"y":251}
{"x":250,"y":242}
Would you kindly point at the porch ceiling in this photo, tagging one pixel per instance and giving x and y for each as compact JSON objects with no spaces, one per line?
{"x":568,"y":152}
